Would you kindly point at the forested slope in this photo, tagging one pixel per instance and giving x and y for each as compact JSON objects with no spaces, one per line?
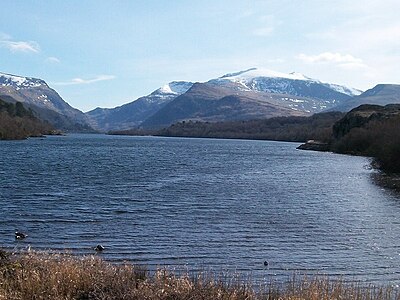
{"x":17,"y":122}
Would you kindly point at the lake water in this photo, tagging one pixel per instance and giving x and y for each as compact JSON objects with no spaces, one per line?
{"x":224,"y":205}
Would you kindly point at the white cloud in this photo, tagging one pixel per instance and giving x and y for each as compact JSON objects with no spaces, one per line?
{"x":344,"y":61}
{"x":75,"y":81}
{"x":328,"y":57}
{"x":53,"y":60}
{"x":21,"y":46}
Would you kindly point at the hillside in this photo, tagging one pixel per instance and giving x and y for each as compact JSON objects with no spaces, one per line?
{"x":294,"y":129}
{"x":368,"y":130}
{"x":244,"y":95}
{"x":295,"y":84}
{"x":213,"y":103}
{"x":251,"y":94}
{"x":135,"y":113}
{"x":17,"y":122}
{"x":381,"y":94}
{"x":371,"y":130}
{"x":44,"y":101}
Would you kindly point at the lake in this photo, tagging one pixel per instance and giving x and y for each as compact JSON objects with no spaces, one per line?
{"x":201,"y":204}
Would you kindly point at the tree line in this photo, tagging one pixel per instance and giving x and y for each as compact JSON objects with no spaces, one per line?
{"x":17,"y":122}
{"x":373,"y":131}
{"x":294,"y":129}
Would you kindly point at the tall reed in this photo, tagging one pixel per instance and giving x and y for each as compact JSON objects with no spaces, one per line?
{"x":38,"y":275}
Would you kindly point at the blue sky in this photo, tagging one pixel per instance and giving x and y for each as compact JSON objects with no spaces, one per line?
{"x":108,"y":53}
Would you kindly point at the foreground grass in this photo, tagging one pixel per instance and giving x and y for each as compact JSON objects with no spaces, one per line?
{"x":61,"y":276}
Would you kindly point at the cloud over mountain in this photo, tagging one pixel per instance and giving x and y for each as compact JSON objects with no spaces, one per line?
{"x":78,"y":80}
{"x":20,"y":46}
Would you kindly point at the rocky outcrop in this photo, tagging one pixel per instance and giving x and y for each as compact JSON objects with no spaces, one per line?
{"x":361,"y":115}
{"x":314,"y":145}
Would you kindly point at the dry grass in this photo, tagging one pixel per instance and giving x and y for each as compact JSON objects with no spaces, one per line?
{"x":321,"y":288}
{"x":62,"y":276}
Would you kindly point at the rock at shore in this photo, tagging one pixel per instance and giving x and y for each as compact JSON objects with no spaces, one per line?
{"x":314,"y":145}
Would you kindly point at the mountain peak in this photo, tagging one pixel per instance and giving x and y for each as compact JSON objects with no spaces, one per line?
{"x":20,"y":81}
{"x":301,"y":76}
{"x":272,"y":81}
{"x":381,"y":94}
{"x":238,"y":73}
{"x":45,"y":102}
{"x":174,"y":88}
{"x":381,"y":89}
{"x":252,"y":73}
{"x":166,"y":89}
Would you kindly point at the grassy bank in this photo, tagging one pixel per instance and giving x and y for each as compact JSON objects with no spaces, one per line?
{"x":60,"y":276}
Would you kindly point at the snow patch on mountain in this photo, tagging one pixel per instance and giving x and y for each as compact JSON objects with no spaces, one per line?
{"x":250,"y":74}
{"x":173,"y":88}
{"x":344,"y":89}
{"x":165,"y":89}
{"x":257,"y":79}
{"x":19,"y":81}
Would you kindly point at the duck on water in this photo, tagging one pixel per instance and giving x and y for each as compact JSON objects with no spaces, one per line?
{"x":19,"y":235}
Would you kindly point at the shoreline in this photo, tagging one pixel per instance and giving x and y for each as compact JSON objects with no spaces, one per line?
{"x":64,"y":276}
{"x":388,"y":181}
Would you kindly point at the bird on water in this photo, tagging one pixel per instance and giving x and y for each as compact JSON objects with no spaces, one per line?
{"x":99,"y":248}
{"x":20,"y":236}
{"x":266,"y":263}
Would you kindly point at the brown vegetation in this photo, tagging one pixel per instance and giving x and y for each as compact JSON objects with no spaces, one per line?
{"x":16,"y":122}
{"x":62,"y":276}
{"x":293,"y":129}
{"x":371,"y":133}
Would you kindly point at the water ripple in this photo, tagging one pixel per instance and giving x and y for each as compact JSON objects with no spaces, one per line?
{"x":201,"y":204}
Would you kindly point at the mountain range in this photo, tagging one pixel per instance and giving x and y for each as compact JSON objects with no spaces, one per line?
{"x":381,"y":94}
{"x":135,"y":113}
{"x":250,"y":94}
{"x":45,"y":102}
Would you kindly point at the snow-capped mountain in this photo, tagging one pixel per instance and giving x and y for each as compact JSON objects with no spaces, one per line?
{"x":19,"y":82}
{"x":213,"y":102}
{"x":296,"y":84}
{"x":299,"y":92}
{"x":250,"y":74}
{"x":173,"y":88}
{"x":43,"y":100}
{"x":134,"y":113}
{"x":344,"y":89}
{"x":252,"y":93}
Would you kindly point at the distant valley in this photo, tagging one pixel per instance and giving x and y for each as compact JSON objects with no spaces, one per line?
{"x":252,"y":94}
